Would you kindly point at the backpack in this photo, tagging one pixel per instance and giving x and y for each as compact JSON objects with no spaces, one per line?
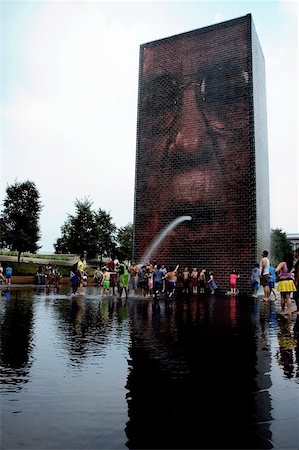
{"x":74,"y":267}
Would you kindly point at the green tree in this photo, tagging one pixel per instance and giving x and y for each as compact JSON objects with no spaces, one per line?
{"x":20,"y":218}
{"x":125,"y":241}
{"x":105,"y":233}
{"x":87,"y":231}
{"x":279,"y":245}
{"x":2,"y":233}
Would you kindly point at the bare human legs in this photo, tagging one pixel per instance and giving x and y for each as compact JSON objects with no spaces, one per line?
{"x":285,"y":301}
{"x":266,"y":293}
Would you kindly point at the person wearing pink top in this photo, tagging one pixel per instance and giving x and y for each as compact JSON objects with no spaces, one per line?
{"x":286,"y":285}
{"x":233,"y":282}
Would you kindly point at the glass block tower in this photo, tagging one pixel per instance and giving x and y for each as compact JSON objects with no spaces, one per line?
{"x":202,"y":151}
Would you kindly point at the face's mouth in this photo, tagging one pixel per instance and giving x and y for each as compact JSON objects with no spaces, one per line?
{"x":194,"y":186}
{"x":202,"y":156}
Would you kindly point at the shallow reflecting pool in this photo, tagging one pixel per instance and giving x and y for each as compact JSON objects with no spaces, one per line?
{"x":95,"y":372}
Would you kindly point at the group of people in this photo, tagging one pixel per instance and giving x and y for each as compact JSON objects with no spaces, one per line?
{"x":154,"y":279}
{"x":115,"y":275}
{"x":78,"y":275}
{"x":287,"y":275}
{"x":5,"y":276}
{"x":48,"y":276}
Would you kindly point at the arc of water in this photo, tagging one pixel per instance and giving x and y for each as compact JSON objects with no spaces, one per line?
{"x":160,"y":238}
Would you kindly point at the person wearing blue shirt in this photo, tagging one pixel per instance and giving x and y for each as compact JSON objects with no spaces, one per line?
{"x":158,"y":275}
{"x":255,"y":279}
{"x":271,"y":281}
{"x":8,"y":274}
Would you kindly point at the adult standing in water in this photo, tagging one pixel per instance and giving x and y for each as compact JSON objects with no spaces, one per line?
{"x":81,"y":269}
{"x":296,"y":281}
{"x":265,"y":275}
{"x":286,"y":285}
{"x":123,"y":273}
{"x":133,"y":278}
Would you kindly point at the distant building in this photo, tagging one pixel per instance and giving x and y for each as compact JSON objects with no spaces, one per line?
{"x":294,"y":240}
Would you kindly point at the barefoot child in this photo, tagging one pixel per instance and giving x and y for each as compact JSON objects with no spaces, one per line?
{"x":194,"y":280}
{"x":202,"y":281}
{"x":211,"y":283}
{"x":233,"y":282}
{"x":171,"y":278}
{"x":255,"y":279}
{"x":106,"y":281}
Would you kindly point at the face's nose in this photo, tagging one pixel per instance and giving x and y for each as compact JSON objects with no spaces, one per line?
{"x":192,"y":128}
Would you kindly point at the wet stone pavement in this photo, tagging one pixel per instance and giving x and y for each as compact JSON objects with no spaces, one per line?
{"x":198,"y":372}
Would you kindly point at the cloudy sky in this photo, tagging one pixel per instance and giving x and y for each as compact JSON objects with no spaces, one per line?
{"x":69,"y":79}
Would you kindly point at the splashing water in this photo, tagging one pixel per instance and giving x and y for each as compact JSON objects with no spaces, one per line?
{"x":160,"y":238}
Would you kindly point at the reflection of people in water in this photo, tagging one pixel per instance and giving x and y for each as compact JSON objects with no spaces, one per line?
{"x":194,"y":113}
{"x":77,"y":310}
{"x":296,"y":335}
{"x":6,"y":293}
{"x":287,"y":345}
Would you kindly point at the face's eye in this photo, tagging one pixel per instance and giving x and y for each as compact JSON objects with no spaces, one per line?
{"x":160,"y":95}
{"x":223,"y":96}
{"x":225,"y":85}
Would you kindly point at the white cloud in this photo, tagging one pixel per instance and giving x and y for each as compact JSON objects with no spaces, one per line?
{"x":281,"y":56}
{"x":218,"y":17}
{"x":71,"y":115}
{"x":289,"y":8}
{"x":70,"y":124}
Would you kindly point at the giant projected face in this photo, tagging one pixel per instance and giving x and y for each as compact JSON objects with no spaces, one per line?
{"x":193,"y":143}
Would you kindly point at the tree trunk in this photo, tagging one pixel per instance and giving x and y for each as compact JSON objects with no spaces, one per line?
{"x":19,"y":257}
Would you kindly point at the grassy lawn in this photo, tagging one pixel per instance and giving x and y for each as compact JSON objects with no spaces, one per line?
{"x":63,"y":258}
{"x":29,"y":268}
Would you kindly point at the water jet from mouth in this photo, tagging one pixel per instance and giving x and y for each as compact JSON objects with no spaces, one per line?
{"x":155,"y":244}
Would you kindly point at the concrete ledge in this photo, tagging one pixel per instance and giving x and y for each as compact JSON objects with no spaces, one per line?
{"x":23,"y":279}
{"x":31,"y":279}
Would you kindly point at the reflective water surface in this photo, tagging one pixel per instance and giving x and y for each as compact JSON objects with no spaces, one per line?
{"x":95,"y":372}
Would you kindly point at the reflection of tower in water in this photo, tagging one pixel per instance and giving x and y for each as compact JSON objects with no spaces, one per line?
{"x":17,"y":323}
{"x":192,"y":365}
